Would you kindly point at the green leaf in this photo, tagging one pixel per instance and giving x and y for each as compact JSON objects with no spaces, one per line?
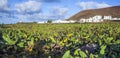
{"x":52,"y":39}
{"x":49,"y":57}
{"x":110,"y":39}
{"x":117,"y":42}
{"x":21,"y":44}
{"x":102,"y":51}
{"x":113,"y":56}
{"x":82,"y":54}
{"x":76,"y":52}
{"x":67,"y":55}
{"x":91,"y":56}
{"x":69,"y":35}
{"x":100,"y":42}
{"x":24,"y":56}
{"x":9,"y":41}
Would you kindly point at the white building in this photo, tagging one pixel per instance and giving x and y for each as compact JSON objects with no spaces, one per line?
{"x":60,"y":21}
{"x":96,"y":18}
{"x":115,"y":18}
{"x":107,"y":17}
{"x":63,"y":21}
{"x":82,"y":20}
{"x":72,"y":21}
{"x":118,"y":18}
{"x":41,"y":22}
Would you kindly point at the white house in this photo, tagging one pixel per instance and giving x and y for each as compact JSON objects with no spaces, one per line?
{"x":90,"y":20}
{"x":72,"y":21}
{"x":115,"y":18}
{"x":82,"y":20}
{"x":118,"y":18}
{"x":97,"y":18}
{"x":107,"y":17}
{"x":41,"y":22}
{"x":63,"y":21}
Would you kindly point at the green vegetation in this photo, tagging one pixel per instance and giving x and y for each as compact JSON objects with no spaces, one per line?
{"x":49,"y":21}
{"x":93,"y":40}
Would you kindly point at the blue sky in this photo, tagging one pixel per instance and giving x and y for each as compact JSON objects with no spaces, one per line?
{"x":12,"y":11}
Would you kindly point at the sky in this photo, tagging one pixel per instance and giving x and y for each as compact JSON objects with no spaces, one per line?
{"x":13,"y":11}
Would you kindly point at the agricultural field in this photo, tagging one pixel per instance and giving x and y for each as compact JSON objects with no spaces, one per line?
{"x":86,"y":40}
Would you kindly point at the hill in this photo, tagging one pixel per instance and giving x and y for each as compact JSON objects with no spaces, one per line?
{"x":109,"y":11}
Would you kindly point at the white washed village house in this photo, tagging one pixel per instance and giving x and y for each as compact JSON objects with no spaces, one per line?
{"x":63,"y":21}
{"x":97,"y":18}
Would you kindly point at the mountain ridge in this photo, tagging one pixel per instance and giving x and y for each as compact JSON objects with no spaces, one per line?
{"x":109,"y":11}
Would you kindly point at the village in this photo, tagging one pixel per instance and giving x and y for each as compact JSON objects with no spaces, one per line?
{"x":97,"y":18}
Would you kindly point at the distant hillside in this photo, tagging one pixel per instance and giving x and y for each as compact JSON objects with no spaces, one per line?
{"x":110,"y":11}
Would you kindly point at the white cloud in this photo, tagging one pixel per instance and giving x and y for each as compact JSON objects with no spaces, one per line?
{"x":34,"y":7}
{"x":92,"y":5}
{"x":60,"y":10}
{"x":29,"y":6}
{"x":102,"y":5}
{"x":4,"y":5}
{"x":49,"y":1}
{"x":33,"y":17}
{"x":5,"y":15}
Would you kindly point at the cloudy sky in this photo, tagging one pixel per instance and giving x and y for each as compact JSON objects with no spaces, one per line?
{"x":12,"y":11}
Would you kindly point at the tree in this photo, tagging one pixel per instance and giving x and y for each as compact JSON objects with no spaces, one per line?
{"x":49,"y":21}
